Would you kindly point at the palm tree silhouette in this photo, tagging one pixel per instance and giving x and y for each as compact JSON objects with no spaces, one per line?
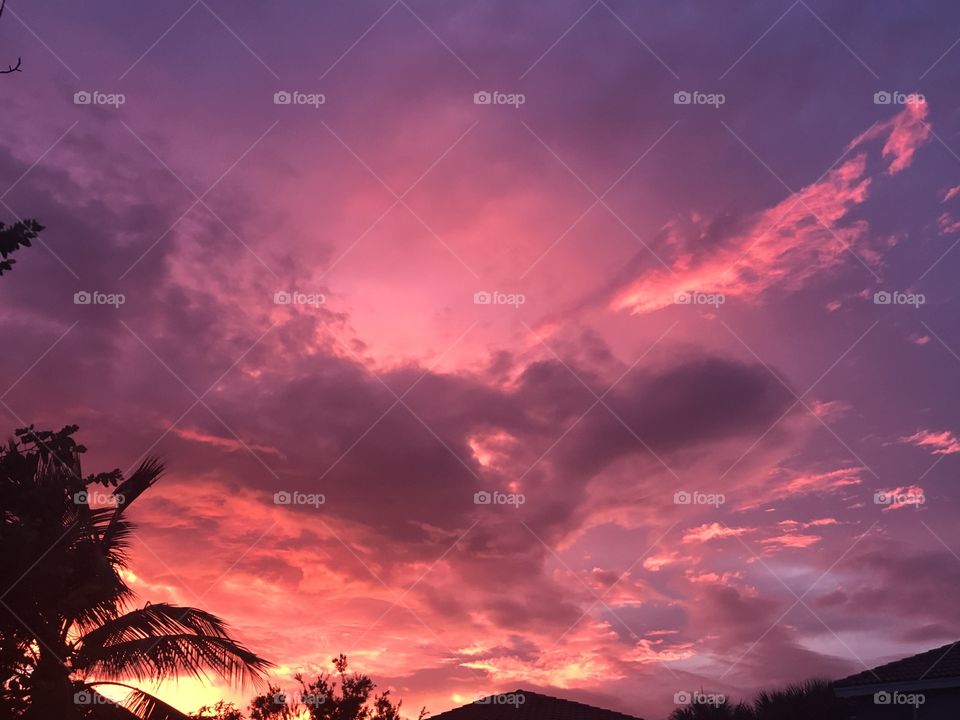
{"x":66,"y":623}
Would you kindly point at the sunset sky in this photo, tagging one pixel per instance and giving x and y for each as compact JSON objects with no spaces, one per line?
{"x":687,"y":298}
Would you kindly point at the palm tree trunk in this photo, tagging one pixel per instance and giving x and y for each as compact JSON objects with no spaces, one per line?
{"x":52,"y":691}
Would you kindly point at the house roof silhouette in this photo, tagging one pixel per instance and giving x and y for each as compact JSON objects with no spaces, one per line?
{"x":525,"y":705}
{"x":937,"y":668}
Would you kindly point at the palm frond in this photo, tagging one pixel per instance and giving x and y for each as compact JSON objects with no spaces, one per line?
{"x":169,"y":655}
{"x":149,"y":707}
{"x":137,"y":705}
{"x":148,"y":472}
{"x":101,"y":707}
{"x":155,"y":620}
{"x":129,"y":490}
{"x":163,"y":640}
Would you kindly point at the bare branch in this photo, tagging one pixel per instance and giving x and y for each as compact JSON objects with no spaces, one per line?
{"x":10,"y":68}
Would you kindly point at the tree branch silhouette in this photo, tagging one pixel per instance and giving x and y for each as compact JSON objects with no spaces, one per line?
{"x":10,"y":68}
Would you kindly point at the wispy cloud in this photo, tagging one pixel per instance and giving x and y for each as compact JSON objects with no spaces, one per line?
{"x":938,"y":443}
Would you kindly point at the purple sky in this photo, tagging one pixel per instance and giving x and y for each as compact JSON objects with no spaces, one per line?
{"x":683,"y":299}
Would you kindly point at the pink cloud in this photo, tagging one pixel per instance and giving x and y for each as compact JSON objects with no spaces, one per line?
{"x":827,"y":409}
{"x":939,"y":443}
{"x":712,"y":531}
{"x":905,"y":133}
{"x":792,"y":541}
{"x":784,"y":484}
{"x":948,"y":224}
{"x":656,"y":562}
{"x":230,"y":444}
{"x":824,"y":482}
{"x":805,"y":234}
{"x":713,"y":578}
{"x":911,"y":496}
{"x":784,"y":245}
{"x":951,"y":193}
{"x":820,"y":522}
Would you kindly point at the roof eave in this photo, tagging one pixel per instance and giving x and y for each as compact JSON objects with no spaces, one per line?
{"x":899,"y":685}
